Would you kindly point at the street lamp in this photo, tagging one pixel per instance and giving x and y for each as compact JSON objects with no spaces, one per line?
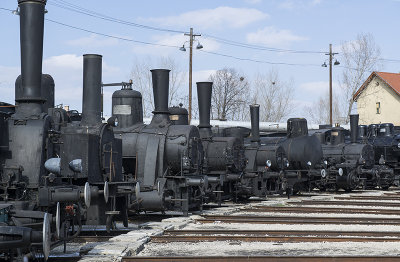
{"x":199,"y":46}
{"x":331,"y":54}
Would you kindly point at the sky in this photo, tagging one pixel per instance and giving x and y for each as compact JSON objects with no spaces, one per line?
{"x":300,"y":25}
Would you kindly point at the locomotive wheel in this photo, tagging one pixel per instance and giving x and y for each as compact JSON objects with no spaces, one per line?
{"x":58,"y":220}
{"x":46,"y":236}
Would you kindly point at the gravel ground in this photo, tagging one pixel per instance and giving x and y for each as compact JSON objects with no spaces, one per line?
{"x":237,"y":248}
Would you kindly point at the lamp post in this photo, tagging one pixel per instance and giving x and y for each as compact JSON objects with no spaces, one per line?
{"x":331,"y":54}
{"x":199,"y":46}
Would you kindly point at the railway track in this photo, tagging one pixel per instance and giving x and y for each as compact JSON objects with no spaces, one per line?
{"x":264,"y":258}
{"x":295,"y":209}
{"x":298,"y":220}
{"x":344,"y":203}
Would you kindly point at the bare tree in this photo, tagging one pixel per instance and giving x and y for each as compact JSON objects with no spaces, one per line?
{"x":142,"y":82}
{"x":359,"y":58}
{"x":274,"y":96}
{"x":319,"y":112}
{"x":230,"y":95}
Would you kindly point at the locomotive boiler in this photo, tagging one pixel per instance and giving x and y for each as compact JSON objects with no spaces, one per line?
{"x":165,"y":159}
{"x":224,"y":159}
{"x":304,"y":153}
{"x":387,"y":152}
{"x":25,"y":147}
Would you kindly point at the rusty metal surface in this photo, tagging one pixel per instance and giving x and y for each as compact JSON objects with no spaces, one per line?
{"x":264,"y":258}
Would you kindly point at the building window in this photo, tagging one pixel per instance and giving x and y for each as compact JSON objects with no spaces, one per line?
{"x":378,"y":107}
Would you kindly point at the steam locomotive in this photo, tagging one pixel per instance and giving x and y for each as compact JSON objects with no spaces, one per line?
{"x":54,"y":173}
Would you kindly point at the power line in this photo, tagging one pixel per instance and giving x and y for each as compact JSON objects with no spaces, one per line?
{"x":258,"y":47}
{"x":172,"y":46}
{"x":81,"y":10}
{"x":107,"y":35}
{"x":255,"y":60}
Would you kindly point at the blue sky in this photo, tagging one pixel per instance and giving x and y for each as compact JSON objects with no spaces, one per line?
{"x":305,"y":25}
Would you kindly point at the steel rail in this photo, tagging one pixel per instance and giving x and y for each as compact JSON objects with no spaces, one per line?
{"x":367,"y":198}
{"x":283,"y":233}
{"x":264,"y":258}
{"x":345,"y":203}
{"x":295,"y":209}
{"x":286,"y":239}
{"x":299,"y":220}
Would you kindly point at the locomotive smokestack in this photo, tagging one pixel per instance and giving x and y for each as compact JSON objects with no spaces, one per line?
{"x":31,"y":17}
{"x":91,"y":102}
{"x":354,"y":128}
{"x":204,"y":92}
{"x":255,"y":123}
{"x":160,"y":78}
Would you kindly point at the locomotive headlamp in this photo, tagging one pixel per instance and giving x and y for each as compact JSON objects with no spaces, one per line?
{"x":325,"y":162}
{"x":323,"y":173}
{"x":340,"y":171}
{"x":286,"y":163}
{"x":76,"y":165}
{"x":53,"y":165}
{"x":398,"y":145}
{"x":113,"y":121}
{"x":309,"y":163}
{"x":268,"y":163}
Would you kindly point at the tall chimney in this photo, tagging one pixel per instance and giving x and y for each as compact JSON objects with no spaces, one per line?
{"x":31,"y":15}
{"x":354,"y":128}
{"x":204,"y":92}
{"x":160,"y":78}
{"x":255,"y":123}
{"x":91,"y":102}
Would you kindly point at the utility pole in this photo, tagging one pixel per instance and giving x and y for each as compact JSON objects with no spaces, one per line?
{"x":331,"y":54}
{"x":191,"y":36}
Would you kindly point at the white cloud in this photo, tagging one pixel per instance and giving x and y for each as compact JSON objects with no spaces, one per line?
{"x":316,"y":2}
{"x":291,"y":4}
{"x":287,"y":5}
{"x":319,"y":88}
{"x":7,"y":83}
{"x":253,"y":1}
{"x":67,"y":71}
{"x":220,"y":17}
{"x":202,"y":75}
{"x":272,"y":36}
{"x":93,"y":41}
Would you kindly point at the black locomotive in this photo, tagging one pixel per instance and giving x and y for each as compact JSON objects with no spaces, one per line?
{"x":304,"y":153}
{"x":223,"y":160}
{"x":164,"y":159}
{"x":386,"y":145}
{"x":54,"y":173}
{"x":265,"y":171}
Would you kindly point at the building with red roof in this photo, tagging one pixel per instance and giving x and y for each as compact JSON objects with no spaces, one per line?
{"x":378,"y":99}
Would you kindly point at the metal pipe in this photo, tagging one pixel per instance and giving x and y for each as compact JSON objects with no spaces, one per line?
{"x":160,"y":79}
{"x":91,"y":102}
{"x":354,"y":128}
{"x":255,"y":122}
{"x":31,"y":38}
{"x":204,"y":93}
